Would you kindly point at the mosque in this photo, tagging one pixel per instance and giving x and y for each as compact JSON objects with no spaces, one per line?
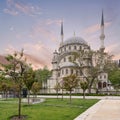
{"x":62,"y":64}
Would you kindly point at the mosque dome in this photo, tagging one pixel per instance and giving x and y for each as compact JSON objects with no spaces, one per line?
{"x":74,"y":40}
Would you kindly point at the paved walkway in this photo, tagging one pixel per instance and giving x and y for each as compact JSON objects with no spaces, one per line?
{"x":105,"y":109}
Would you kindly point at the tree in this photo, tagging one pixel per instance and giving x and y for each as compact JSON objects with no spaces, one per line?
{"x":5,"y":87}
{"x":92,"y":71}
{"x":16,"y":69}
{"x":93,"y":68}
{"x":84,"y":86}
{"x":29,"y":79}
{"x":57,"y":88}
{"x":42,"y":75}
{"x":35,"y":88}
{"x":114,"y":77}
{"x":69,"y":83}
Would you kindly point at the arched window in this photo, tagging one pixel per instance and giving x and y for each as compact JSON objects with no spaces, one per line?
{"x":99,"y":85}
{"x":64,"y":59}
{"x":71,"y":71}
{"x":104,"y":76}
{"x":66,"y":71}
{"x":69,"y":58}
{"x":80,"y":48}
{"x":104,"y":84}
{"x":75,"y":47}
{"x":69,"y":47}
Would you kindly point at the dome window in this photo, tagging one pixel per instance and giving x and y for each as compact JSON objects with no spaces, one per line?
{"x":75,"y":47}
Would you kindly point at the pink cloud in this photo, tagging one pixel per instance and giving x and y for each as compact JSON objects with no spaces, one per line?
{"x":40,"y":52}
{"x":42,"y":30}
{"x":111,"y":47}
{"x":95,"y":28}
{"x":55,"y":22}
{"x":38,"y":55}
{"x":114,"y":49}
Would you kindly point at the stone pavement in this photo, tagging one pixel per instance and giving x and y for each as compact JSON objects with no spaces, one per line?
{"x":105,"y":109}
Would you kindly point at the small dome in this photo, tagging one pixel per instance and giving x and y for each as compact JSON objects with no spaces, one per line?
{"x":74,"y":40}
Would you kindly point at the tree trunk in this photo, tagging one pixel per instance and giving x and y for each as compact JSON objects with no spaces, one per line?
{"x":83,"y":94}
{"x":70,"y":96}
{"x":6,"y":95}
{"x":19,"y":105}
{"x":57,"y":94}
{"x":89,"y":89}
{"x":28,"y":97}
{"x":62,"y":94}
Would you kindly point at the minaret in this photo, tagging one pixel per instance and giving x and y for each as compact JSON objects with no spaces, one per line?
{"x":102,"y":36}
{"x":102,"y":48}
{"x":62,"y":34}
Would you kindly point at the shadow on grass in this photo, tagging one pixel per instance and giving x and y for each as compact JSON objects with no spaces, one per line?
{"x":15,"y":117}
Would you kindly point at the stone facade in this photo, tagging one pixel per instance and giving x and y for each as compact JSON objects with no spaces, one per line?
{"x":62,"y":60}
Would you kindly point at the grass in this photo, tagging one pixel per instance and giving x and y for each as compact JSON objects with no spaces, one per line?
{"x":51,"y":109}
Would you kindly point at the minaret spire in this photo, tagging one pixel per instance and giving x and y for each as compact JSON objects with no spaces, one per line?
{"x":102,"y":36}
{"x":102,"y":20}
{"x":62,"y":34}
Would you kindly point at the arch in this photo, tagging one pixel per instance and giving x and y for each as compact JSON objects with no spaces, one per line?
{"x":99,"y":85}
{"x":104,"y":84}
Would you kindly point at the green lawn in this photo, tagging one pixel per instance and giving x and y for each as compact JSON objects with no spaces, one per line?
{"x":51,"y":109}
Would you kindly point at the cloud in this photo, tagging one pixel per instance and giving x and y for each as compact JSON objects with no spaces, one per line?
{"x":114,"y":49}
{"x":11,"y":28}
{"x":11,"y":12}
{"x":55,"y":22}
{"x":37,"y":54}
{"x":42,"y":31}
{"x":10,"y":49}
{"x":17,"y":7}
{"x":95,"y":28}
{"x":45,"y":30}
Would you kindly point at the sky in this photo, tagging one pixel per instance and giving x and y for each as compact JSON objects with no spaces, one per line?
{"x":35,"y":26}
